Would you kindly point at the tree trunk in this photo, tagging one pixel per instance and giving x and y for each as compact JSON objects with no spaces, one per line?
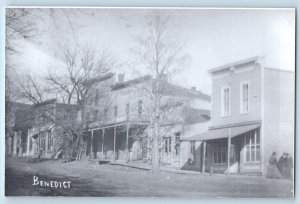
{"x":155,"y":150}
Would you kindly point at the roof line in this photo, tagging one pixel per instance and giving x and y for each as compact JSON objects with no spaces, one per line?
{"x":235,"y":63}
{"x":148,"y":77}
{"x":280,"y":70}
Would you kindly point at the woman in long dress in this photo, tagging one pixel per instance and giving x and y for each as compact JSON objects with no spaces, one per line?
{"x":273,"y":171}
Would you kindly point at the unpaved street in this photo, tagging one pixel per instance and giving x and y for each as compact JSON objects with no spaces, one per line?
{"x":106,"y":180}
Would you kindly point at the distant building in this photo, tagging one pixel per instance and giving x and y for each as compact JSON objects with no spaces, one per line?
{"x":39,"y":130}
{"x":120,"y":129}
{"x":11,"y":109}
{"x":252,"y":116}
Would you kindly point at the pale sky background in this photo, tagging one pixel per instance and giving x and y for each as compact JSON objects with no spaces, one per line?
{"x":213,"y":37}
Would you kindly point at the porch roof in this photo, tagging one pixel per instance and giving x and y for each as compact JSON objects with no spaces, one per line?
{"x":222,"y":133}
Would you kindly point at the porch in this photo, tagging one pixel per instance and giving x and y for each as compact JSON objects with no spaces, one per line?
{"x":230,"y":150}
{"x":116,"y":142}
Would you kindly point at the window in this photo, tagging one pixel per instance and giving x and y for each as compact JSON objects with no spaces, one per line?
{"x":252,"y":145}
{"x":65,"y":117}
{"x":193,"y":147}
{"x":177,"y":143}
{"x":42,"y":141}
{"x":127,"y":109}
{"x":115,"y":111}
{"x":140,"y":107}
{"x":30,"y":144}
{"x":168,"y":144}
{"x":225,"y":101}
{"x":220,"y":152}
{"x":245,"y":98}
{"x":50,"y":140}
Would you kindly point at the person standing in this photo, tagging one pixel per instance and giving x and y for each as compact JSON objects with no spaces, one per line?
{"x":272,"y":171}
{"x":289,"y":173}
{"x":281,"y":164}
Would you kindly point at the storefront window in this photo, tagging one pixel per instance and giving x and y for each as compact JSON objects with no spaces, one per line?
{"x":220,"y":152}
{"x":252,"y":144}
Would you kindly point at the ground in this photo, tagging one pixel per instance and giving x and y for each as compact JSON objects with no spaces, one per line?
{"x":111,"y":180}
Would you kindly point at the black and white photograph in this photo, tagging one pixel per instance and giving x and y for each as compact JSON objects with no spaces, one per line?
{"x":150,"y":102}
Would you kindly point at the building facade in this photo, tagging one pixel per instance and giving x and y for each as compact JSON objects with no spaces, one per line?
{"x":40,"y":130}
{"x":252,"y":116}
{"x":120,"y":126}
{"x":11,"y":109}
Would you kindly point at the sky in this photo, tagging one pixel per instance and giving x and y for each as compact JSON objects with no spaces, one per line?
{"x":212,"y":37}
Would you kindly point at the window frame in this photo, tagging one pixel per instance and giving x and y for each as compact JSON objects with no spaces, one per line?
{"x":242,"y":111}
{"x":168,"y":145}
{"x":223,"y":102}
{"x":218,"y":150}
{"x":256,"y":145}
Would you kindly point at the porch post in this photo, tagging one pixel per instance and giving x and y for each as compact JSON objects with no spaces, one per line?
{"x":228,"y":150}
{"x":115,"y":130}
{"x":92,"y":149}
{"x":28,"y":143}
{"x":102,"y":145}
{"x":127,"y":137}
{"x":203,"y":156}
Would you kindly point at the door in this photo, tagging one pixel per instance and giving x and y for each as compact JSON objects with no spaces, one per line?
{"x":235,"y":157}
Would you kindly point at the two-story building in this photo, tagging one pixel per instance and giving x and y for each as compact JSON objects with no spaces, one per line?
{"x":252,"y":116}
{"x":120,"y":129}
{"x":39,"y":130}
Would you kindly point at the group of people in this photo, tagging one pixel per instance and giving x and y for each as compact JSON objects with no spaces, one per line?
{"x":282,"y":168}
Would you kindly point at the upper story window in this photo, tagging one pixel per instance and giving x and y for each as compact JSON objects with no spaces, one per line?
{"x":225,"y":101}
{"x":115,"y":111}
{"x":245,"y":97}
{"x":140,"y":107}
{"x":127,"y":109}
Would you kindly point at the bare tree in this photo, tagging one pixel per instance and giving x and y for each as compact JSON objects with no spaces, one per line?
{"x":28,"y":89}
{"x":162,"y":57}
{"x":19,"y":23}
{"x":73,"y":82}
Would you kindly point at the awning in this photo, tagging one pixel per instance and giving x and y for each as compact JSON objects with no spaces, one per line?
{"x":222,"y":133}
